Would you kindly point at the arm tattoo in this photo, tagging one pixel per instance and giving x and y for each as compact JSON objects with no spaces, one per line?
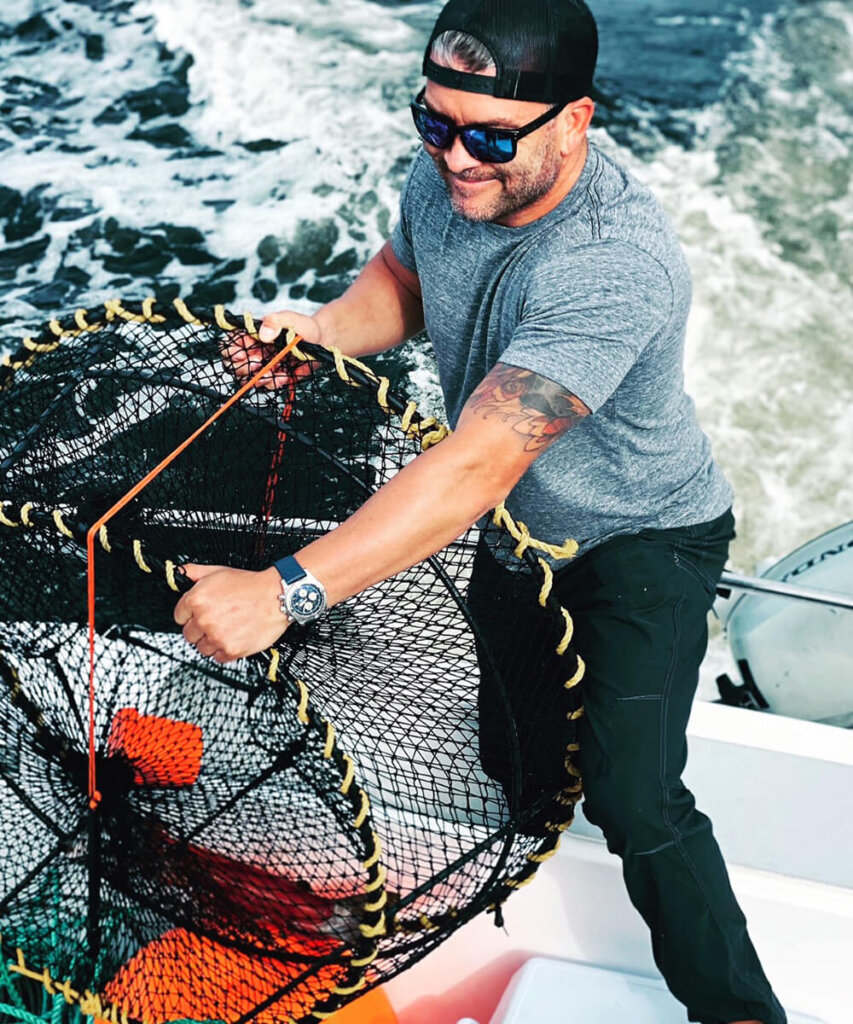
{"x":535,"y":406}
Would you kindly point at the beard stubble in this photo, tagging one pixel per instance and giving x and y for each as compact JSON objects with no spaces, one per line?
{"x":519,"y":184}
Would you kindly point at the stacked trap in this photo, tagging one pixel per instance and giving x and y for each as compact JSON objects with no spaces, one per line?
{"x":264,"y":840}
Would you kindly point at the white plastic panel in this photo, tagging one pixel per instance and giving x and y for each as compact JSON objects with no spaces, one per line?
{"x":561,"y":992}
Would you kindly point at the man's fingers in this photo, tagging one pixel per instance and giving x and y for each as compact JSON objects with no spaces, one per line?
{"x":274,"y":323}
{"x":238,"y":341}
{"x":305,"y":326}
{"x":183,"y":612}
{"x":269,"y":332}
{"x":246,"y":355}
{"x":206,"y":647}
{"x":245,"y":361}
{"x":191,"y":633}
{"x":184,"y":608}
{"x":236,"y":358}
{"x":196,"y":572}
{"x":305,"y":369}
{"x":237,"y":345}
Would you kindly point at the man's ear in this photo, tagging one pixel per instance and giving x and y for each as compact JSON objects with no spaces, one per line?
{"x":573,"y":123}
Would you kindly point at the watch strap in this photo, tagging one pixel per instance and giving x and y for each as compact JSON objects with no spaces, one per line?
{"x":289,"y":569}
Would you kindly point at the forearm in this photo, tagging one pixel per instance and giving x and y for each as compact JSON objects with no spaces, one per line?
{"x":511,"y":417}
{"x":231,"y":613}
{"x":380,"y":309}
{"x":430,"y":503}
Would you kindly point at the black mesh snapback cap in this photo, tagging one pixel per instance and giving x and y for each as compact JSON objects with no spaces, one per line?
{"x":544,"y":50}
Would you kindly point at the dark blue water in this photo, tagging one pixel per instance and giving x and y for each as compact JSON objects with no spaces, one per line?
{"x":85,"y":81}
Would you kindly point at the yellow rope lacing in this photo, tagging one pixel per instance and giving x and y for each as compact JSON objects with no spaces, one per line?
{"x":89,"y":1003}
{"x":372,"y":863}
{"x":428,"y":431}
{"x":521,"y":535}
{"x":4,"y":519}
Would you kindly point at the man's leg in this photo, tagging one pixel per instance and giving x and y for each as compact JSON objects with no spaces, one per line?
{"x":523,"y":705}
{"x":640,"y":608}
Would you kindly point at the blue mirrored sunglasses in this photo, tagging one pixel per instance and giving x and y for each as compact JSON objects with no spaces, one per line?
{"x":485,"y":144}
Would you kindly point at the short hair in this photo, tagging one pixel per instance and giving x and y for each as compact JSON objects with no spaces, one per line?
{"x":460,"y":48}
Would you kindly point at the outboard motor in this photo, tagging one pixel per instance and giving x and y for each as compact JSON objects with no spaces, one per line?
{"x":795,"y":656}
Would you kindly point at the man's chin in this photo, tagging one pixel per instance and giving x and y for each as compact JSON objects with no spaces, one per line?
{"x":473,"y":211}
{"x":482,"y":204}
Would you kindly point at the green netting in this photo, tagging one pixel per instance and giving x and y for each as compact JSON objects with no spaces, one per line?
{"x":277,"y":835}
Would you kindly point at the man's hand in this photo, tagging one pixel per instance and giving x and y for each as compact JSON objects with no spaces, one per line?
{"x":246,"y":355}
{"x":231,"y":613}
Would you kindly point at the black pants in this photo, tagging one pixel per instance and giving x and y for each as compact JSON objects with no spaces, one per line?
{"x":640,"y":605}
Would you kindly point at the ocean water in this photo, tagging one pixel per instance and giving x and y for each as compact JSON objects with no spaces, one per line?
{"x":250,"y":152}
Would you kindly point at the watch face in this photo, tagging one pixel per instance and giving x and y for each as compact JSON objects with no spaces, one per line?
{"x":307,"y":600}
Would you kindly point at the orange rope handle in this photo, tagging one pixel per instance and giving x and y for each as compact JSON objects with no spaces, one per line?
{"x":92,"y":533}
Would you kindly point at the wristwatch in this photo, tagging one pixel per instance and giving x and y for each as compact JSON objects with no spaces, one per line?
{"x":303,"y":596}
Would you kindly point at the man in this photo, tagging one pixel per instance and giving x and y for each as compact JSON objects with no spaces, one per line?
{"x":555,"y":295}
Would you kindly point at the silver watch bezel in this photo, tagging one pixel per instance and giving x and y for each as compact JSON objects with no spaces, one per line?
{"x":290,"y":590}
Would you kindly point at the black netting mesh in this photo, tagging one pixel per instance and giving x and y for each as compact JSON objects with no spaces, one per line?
{"x":277,"y":835}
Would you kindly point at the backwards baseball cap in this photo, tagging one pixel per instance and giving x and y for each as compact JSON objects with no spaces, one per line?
{"x":544,"y":50}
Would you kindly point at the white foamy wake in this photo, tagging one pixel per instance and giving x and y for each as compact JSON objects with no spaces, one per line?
{"x":321,"y":79}
{"x":763,"y":207}
{"x":333,"y":81}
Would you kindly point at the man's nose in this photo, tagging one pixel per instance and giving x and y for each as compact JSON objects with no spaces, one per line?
{"x":457,"y":158}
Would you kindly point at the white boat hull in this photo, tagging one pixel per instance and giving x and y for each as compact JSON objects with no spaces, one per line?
{"x":792,"y":872}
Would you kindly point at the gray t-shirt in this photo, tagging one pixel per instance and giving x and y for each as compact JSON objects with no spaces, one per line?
{"x":594,"y":296}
